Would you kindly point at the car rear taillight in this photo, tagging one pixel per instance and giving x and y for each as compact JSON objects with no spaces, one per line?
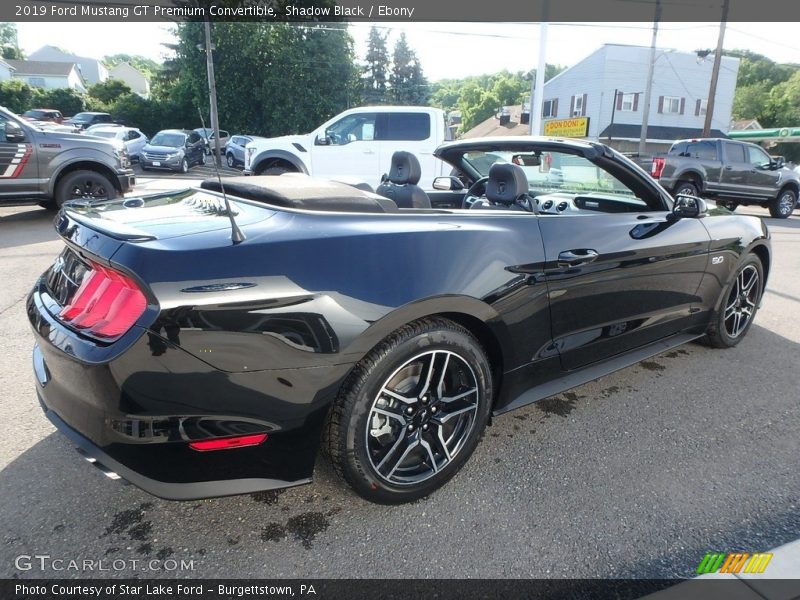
{"x":106,"y":305}
{"x":657,"y":168}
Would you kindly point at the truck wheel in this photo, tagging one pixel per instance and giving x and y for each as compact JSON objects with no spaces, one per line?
{"x":89,"y":185}
{"x":685,"y":188}
{"x":782,"y":206}
{"x":275,"y":170}
{"x":728,"y":204}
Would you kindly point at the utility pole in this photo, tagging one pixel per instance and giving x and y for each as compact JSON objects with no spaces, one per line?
{"x":712,"y":91}
{"x":212,"y":89}
{"x":537,"y":93}
{"x":649,"y":88}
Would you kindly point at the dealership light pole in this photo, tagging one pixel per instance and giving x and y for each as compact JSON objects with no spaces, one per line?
{"x":649,"y":88}
{"x":212,"y":89}
{"x":537,"y":93}
{"x":712,"y":92}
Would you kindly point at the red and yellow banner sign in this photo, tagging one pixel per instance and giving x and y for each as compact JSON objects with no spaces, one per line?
{"x":572,"y":128}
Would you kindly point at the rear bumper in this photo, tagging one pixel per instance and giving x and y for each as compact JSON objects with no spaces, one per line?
{"x":162,"y":489}
{"x":135,"y":406}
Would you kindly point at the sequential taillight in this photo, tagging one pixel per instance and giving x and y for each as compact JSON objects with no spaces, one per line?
{"x":240,"y":441}
{"x":657,"y":167}
{"x":106,"y":305}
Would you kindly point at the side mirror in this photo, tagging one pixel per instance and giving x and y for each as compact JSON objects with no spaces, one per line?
{"x":690,"y":207}
{"x":14,"y":133}
{"x":322,"y":140}
{"x":448,"y":183}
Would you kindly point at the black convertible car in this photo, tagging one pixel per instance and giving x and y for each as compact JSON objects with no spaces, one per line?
{"x":201,"y":343}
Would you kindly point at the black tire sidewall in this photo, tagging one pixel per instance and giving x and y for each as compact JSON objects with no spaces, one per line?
{"x":67,"y":181}
{"x":184,"y":166}
{"x":685,"y":185}
{"x":359,"y":470}
{"x":721,"y":333}
{"x":230,"y":160}
{"x":774,"y":207}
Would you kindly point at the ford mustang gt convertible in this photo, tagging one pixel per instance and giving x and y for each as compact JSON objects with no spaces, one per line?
{"x":214,"y":340}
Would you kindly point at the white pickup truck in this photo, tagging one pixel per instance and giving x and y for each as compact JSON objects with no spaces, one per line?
{"x":356,"y":145}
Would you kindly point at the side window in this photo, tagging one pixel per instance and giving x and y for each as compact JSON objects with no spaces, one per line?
{"x":757,"y":157}
{"x":133,"y":134}
{"x":407,"y":127}
{"x":678,"y":149}
{"x":104,"y":118}
{"x":707,"y":150}
{"x":194,"y":137}
{"x":735,"y":153}
{"x":352,"y":128}
{"x":223,"y":134}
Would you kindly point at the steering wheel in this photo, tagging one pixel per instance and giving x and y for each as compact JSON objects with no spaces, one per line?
{"x":475,"y":192}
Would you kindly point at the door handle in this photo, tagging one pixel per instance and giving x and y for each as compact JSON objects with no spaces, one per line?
{"x":573,"y":258}
{"x":369,"y":152}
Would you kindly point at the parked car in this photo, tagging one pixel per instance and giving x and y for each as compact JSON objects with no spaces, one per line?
{"x":87,"y":119}
{"x":173,"y":149}
{"x":235,"y":148}
{"x":730,"y":171}
{"x":44,"y":114}
{"x":195,"y":359}
{"x":133,"y":139}
{"x":357,"y":143}
{"x":53,"y":126}
{"x":51,"y":166}
{"x":208,"y":135}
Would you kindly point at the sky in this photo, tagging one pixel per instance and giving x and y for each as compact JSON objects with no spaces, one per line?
{"x":452,"y":50}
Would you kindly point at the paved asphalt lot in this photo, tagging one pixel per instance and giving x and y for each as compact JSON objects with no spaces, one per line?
{"x":636,"y":475}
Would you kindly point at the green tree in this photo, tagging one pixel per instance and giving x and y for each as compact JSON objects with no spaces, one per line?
{"x":376,"y":71}
{"x":66,"y":100}
{"x":8,"y":41}
{"x":146,"y":66}
{"x":17,"y":96}
{"x":109,"y":90}
{"x":409,"y":85}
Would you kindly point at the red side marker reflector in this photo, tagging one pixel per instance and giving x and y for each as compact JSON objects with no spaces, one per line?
{"x":228,"y":443}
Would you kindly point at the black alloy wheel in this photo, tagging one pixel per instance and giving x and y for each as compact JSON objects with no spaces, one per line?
{"x":412,"y":412}
{"x":85,"y":185}
{"x":739,"y":305}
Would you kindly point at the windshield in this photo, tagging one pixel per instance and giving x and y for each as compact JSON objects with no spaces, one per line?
{"x":34,"y":113}
{"x":552,"y":171}
{"x":174,"y":140}
{"x":82,"y":117}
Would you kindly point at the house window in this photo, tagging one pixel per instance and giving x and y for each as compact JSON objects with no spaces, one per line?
{"x":672,"y":105}
{"x":628,"y":102}
{"x":549,"y":108}
{"x":577,"y":109}
{"x":36,"y":81}
{"x":702,"y":107}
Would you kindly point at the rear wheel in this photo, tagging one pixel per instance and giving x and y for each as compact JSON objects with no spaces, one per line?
{"x":82,"y":184}
{"x":411,"y":413}
{"x":782,"y":206}
{"x":739,"y":305}
{"x":685,"y":188}
{"x":728,"y":204}
{"x":230,"y":160}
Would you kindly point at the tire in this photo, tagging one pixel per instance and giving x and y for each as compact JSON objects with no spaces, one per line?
{"x":184,"y":168}
{"x":783,"y":206}
{"x":685,"y":187}
{"x":730,"y":205}
{"x":86,"y":184}
{"x":742,"y":296}
{"x":230,"y":160}
{"x":383,"y":431}
{"x":276,"y":170}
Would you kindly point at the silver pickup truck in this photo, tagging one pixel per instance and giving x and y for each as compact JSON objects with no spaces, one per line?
{"x":51,"y":167}
{"x":732,"y":172}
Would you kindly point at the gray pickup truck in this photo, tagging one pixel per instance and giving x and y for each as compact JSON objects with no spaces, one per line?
{"x":729,"y":171}
{"x":51,"y":167}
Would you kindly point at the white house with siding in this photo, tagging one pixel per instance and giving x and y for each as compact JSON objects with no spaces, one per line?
{"x":132,"y":77}
{"x":91,"y":70}
{"x":5,"y":70}
{"x":608,"y":87}
{"x":47,"y":75}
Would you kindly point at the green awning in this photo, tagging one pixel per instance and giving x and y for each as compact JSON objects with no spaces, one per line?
{"x":778,"y":134}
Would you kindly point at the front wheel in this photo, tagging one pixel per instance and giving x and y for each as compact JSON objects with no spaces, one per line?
{"x":739,"y":305}
{"x":87,"y":185}
{"x":685,"y":188}
{"x":230,"y":160}
{"x":782,"y":206}
{"x":184,"y":168}
{"x":411,"y":413}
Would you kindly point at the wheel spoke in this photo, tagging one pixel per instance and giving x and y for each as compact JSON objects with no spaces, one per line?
{"x":444,"y":417}
{"x":398,"y":397}
{"x":442,"y":375}
{"x":748,"y":287}
{"x":406,"y":452}
{"x":730,"y":310}
{"x":426,"y":375}
{"x":424,"y":443}
{"x":451,"y":399}
{"x":401,"y":439}
{"x":442,"y":443}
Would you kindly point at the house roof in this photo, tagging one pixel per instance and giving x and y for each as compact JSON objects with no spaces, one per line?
{"x":742,"y":124}
{"x":492,"y":127}
{"x":40,"y":67}
{"x":625,"y":131}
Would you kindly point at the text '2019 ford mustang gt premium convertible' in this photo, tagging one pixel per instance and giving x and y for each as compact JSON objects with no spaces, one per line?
{"x":200,"y":343}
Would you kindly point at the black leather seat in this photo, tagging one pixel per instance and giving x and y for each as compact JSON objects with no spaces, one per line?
{"x":506,"y":189}
{"x":401,"y":185}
